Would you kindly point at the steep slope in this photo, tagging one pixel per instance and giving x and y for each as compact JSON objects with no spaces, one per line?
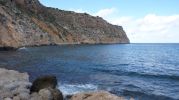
{"x":29,"y":23}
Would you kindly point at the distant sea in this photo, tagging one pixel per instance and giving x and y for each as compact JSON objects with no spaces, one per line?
{"x":141,"y":71}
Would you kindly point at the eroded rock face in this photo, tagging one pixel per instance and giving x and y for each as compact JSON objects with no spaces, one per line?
{"x":100,"y":95}
{"x":29,"y":23}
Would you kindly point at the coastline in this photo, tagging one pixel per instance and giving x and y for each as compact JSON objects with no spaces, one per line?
{"x":16,"y":86}
{"x":11,"y":48}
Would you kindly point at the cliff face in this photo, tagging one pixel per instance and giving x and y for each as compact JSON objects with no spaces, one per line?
{"x":29,"y":23}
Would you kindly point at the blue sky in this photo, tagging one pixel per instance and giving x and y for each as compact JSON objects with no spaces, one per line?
{"x":145,"y":21}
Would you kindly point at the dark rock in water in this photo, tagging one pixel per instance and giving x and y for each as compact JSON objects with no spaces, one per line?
{"x":44,"y":82}
{"x":46,"y":86}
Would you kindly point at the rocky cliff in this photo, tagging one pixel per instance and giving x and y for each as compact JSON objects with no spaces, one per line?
{"x":29,"y":23}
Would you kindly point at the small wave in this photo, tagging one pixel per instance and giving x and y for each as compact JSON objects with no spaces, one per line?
{"x":22,"y":48}
{"x":145,"y":96}
{"x":160,"y":76}
{"x":69,"y":89}
{"x":119,"y":72}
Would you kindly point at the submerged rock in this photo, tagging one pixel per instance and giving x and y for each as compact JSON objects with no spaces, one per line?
{"x":44,"y":82}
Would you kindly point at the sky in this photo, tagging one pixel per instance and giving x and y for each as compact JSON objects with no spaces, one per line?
{"x":145,"y":21}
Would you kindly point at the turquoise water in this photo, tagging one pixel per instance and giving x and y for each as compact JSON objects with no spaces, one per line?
{"x":142,"y":71}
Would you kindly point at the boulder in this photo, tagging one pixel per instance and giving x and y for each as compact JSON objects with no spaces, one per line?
{"x":44,"y":82}
{"x":57,"y":94}
{"x":16,"y":86}
{"x":100,"y":95}
{"x":13,"y":83}
{"x":7,"y":99}
{"x":35,"y":96}
{"x":50,"y":94}
{"x":45,"y":94}
{"x":24,"y":96}
{"x":16,"y":98}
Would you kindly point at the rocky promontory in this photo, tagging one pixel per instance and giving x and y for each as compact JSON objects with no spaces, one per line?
{"x":29,"y":23}
{"x":16,"y":86}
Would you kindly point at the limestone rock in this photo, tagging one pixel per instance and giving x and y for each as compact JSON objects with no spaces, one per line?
{"x":16,"y":98}
{"x":100,"y":95}
{"x":35,"y":96}
{"x":56,"y":94}
{"x":13,"y":83}
{"x":16,"y":86}
{"x":45,"y":94}
{"x":24,"y":96}
{"x":7,"y":99}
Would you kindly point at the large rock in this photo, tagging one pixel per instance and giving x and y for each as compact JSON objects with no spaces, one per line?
{"x":44,"y":82}
{"x":29,"y":23}
{"x":50,"y":94}
{"x":56,"y":94}
{"x":45,"y":94}
{"x":13,"y":83}
{"x":35,"y":96}
{"x":16,"y":86}
{"x":100,"y":95}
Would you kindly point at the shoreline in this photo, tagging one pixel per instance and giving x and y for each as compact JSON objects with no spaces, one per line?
{"x":11,"y":48}
{"x":16,"y":86}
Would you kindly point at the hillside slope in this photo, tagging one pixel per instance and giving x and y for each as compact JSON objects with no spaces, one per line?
{"x":29,"y":23}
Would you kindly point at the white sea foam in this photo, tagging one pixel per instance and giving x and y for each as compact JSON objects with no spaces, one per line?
{"x":22,"y":48}
{"x":69,"y":89}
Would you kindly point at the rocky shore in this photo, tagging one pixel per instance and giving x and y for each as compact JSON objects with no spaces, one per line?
{"x":16,"y":86}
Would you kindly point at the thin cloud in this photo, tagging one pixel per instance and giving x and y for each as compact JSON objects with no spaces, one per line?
{"x":105,"y":12}
{"x":80,"y":10}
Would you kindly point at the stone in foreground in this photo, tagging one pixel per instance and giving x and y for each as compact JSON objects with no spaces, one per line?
{"x":44,"y":82}
{"x":16,"y":86}
{"x":13,"y":83}
{"x":100,"y":95}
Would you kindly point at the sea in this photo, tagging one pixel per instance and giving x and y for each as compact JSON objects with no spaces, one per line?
{"x":139,"y":71}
